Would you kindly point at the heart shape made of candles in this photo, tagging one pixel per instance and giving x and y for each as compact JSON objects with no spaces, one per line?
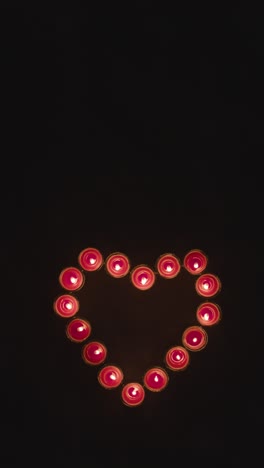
{"x":117,"y":264}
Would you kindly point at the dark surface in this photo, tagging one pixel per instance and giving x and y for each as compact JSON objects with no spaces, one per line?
{"x":133,"y":133}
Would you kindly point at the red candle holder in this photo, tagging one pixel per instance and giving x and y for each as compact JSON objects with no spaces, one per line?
{"x":168,"y":266}
{"x":194,"y":338}
{"x":110,"y":377}
{"x":94,"y":353}
{"x":90,"y":259}
{"x":177,"y":358}
{"x":207,"y":285}
{"x":66,"y":306}
{"x":208,"y":314}
{"x":78,"y":330}
{"x":156,"y":379}
{"x":143,"y":277}
{"x":71,"y":279}
{"x":117,"y":265}
{"x":195,"y":262}
{"x":133,"y":394}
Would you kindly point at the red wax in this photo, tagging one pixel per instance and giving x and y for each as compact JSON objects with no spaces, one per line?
{"x":156,"y":379}
{"x":143,"y":277}
{"x":133,"y":394}
{"x":117,"y":265}
{"x":78,"y":330}
{"x":195,"y":262}
{"x":90,"y":259}
{"x":66,"y":305}
{"x":71,"y":279}
{"x":94,"y":353}
{"x":177,"y":358}
{"x":207,"y":285}
{"x":168,"y":266}
{"x":208,"y":314}
{"x":110,"y":376}
{"x":194,"y":338}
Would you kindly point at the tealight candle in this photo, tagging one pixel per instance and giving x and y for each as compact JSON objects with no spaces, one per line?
{"x":194,"y":338}
{"x":90,"y":259}
{"x":110,"y":376}
{"x":208,"y":314}
{"x":177,"y":358}
{"x":117,"y":265}
{"x":195,"y":262}
{"x":207,"y":285}
{"x":156,"y":379}
{"x":94,"y":353}
{"x":133,"y":394}
{"x":168,"y":266}
{"x":66,"y":305}
{"x":143,"y":277}
{"x":71,"y":279}
{"x":78,"y":330}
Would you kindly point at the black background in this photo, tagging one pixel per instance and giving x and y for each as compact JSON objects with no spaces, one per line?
{"x":132,"y":131}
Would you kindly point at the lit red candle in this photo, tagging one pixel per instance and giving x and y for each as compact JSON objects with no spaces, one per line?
{"x":177,"y":358}
{"x":208,"y":313}
{"x":207,"y":285}
{"x":156,"y":379}
{"x":94,"y":353}
{"x":194,"y":338}
{"x":117,"y":265}
{"x":110,"y":377}
{"x":66,"y":306}
{"x":133,"y":394}
{"x":195,"y":262}
{"x":168,"y":266}
{"x":71,"y":279}
{"x":143,"y":277}
{"x":90,"y":259}
{"x":78,"y":330}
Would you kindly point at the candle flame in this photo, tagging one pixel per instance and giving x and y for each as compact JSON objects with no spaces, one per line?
{"x":73,"y":280}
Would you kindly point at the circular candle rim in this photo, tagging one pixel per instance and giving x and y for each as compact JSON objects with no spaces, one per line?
{"x":201,"y":346}
{"x":72,"y":268}
{"x":105,"y":367}
{"x":125,"y":386}
{"x":119,"y":254}
{"x":144,"y":267}
{"x":94,"y":363}
{"x":199,"y":270}
{"x":163,"y":275}
{"x":82,"y":320}
{"x":74,"y":299}
{"x":208,"y":304}
{"x":158,"y":368}
{"x":94,"y":250}
{"x":183,"y":349}
{"x":210,"y":275}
